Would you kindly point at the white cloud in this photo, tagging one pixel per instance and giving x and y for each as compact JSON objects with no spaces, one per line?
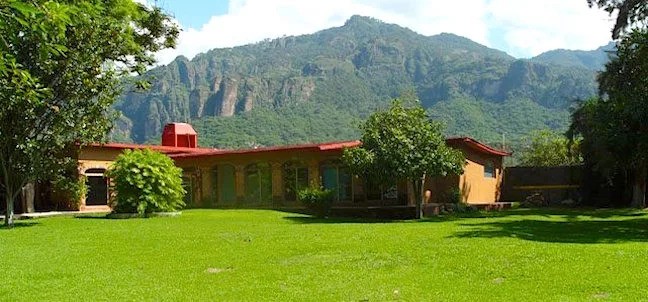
{"x":522,"y":28}
{"x":531,"y":27}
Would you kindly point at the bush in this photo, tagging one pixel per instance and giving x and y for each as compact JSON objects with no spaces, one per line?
{"x":317,"y":200}
{"x":454,"y":196}
{"x":146,"y":181}
{"x":68,"y":190}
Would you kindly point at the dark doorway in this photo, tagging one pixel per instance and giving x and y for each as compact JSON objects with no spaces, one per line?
{"x":97,"y":188}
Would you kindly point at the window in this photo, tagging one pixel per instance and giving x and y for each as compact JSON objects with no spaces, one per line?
{"x":377,"y":192}
{"x":226,"y":180}
{"x":295,"y":178}
{"x":258,"y":183}
{"x":489,"y":169}
{"x":189,"y":182}
{"x":336,"y":178}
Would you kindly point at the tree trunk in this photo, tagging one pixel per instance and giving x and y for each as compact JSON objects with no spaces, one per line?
{"x":417,"y":195}
{"x":418,"y":185}
{"x":639,"y":188}
{"x":9,"y":219}
{"x":421,"y":196}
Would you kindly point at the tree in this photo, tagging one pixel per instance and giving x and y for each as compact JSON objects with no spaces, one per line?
{"x":625,"y":83}
{"x":401,"y":143}
{"x":629,"y":13}
{"x":614,"y":127}
{"x":61,"y":64}
{"x":146,"y":181}
{"x":546,"y":148}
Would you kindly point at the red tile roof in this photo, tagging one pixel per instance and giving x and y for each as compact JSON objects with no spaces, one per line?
{"x":477,"y":146}
{"x":179,"y":128}
{"x":183,"y":152}
{"x":164,"y":149}
{"x":314,"y":147}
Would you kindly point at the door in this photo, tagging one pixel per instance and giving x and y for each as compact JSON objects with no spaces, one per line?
{"x":97,"y":191}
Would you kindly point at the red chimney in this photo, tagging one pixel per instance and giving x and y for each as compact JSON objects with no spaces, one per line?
{"x":179,"y":135}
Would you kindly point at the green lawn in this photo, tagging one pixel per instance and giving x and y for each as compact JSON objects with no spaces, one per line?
{"x":256,"y":255}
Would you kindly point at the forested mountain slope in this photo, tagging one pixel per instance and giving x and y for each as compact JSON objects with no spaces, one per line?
{"x":317,"y":87}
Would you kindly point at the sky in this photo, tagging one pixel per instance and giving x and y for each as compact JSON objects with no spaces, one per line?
{"x":522,"y":28}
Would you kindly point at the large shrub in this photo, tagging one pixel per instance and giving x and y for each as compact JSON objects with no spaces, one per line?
{"x":317,"y":200}
{"x":146,"y":181}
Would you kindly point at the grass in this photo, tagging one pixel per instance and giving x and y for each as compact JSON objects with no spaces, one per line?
{"x":256,"y":255}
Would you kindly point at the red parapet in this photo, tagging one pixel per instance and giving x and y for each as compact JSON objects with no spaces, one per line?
{"x":179,"y":135}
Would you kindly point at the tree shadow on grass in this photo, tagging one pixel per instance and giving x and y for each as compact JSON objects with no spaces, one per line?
{"x":335,"y":220}
{"x":92,"y":215}
{"x":19,"y":224}
{"x":569,"y":214}
{"x":562,"y":231}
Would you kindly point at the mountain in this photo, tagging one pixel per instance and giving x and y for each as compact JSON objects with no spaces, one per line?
{"x":318,"y":87}
{"x":592,"y":59}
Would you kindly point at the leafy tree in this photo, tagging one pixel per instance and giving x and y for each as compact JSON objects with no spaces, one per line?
{"x":146,"y":181}
{"x":401,"y":143}
{"x":60,"y":68}
{"x":629,"y":12}
{"x":614,"y":127}
{"x":546,"y":148}
{"x":625,"y":83}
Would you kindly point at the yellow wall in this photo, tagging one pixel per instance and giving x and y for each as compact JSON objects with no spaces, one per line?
{"x":93,"y":153}
{"x":276,"y":159}
{"x":475,"y":188}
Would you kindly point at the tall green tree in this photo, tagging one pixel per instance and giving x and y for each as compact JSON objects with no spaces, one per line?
{"x":629,"y":13}
{"x":61,"y":63}
{"x":614,"y":127}
{"x":402,"y":143}
{"x":547,"y":148}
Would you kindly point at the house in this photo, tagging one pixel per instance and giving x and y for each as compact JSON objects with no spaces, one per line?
{"x":271,"y":176}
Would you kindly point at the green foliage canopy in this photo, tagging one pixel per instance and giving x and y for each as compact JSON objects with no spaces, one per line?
{"x":614,"y":127}
{"x":146,"y":181}
{"x":401,"y":143}
{"x":60,"y":67}
{"x":629,"y":13}
{"x":546,"y":148}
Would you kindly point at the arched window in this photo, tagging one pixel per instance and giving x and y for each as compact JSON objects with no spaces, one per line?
{"x":336,"y":177}
{"x":295,"y":178}
{"x":224,"y":178}
{"x":213,"y":184}
{"x":191,"y":184}
{"x":95,"y":172}
{"x":258,"y":183}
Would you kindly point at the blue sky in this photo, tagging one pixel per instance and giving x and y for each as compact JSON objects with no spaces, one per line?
{"x":194,"y":13}
{"x":522,"y":28}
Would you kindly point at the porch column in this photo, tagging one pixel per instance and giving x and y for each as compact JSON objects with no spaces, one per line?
{"x":314,"y":173}
{"x":28,"y":197}
{"x":205,"y":187}
{"x":277,"y":183}
{"x":239,"y":177}
{"x":82,"y":202}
